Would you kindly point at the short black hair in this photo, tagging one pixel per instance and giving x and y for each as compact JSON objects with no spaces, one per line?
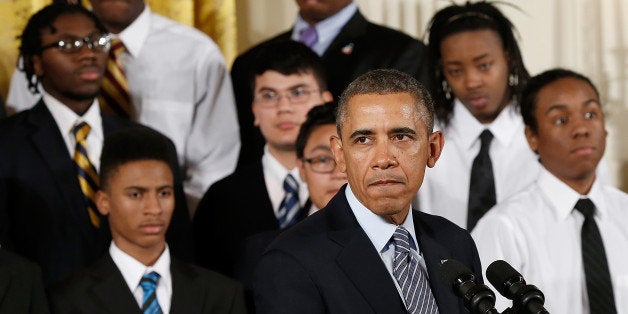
{"x":133,"y":144}
{"x":469,"y":16}
{"x":384,"y":82}
{"x":288,"y":57}
{"x":529,"y":96}
{"x":31,"y":36}
{"x":319,"y":115}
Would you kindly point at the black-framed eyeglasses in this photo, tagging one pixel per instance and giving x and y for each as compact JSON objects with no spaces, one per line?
{"x":321,"y":164}
{"x":96,"y":42}
{"x":296,"y":96}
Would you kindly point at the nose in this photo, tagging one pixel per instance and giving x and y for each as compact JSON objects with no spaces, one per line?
{"x":153,"y":205}
{"x":472,"y":79}
{"x":87,"y":52}
{"x":283,"y":103}
{"x":384,"y":156}
{"x":580,"y":127}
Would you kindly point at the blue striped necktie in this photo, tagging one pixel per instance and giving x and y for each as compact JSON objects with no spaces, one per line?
{"x":149,"y":286}
{"x":413,"y":282}
{"x":87,"y":174}
{"x":289,"y":207}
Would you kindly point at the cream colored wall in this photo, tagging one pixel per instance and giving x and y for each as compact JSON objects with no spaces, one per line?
{"x":589,"y":36}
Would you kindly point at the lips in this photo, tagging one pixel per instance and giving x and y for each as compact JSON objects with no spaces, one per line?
{"x":286,"y":125}
{"x":477,"y":102}
{"x":153,"y":227}
{"x":90,"y":73}
{"x":583,"y":150}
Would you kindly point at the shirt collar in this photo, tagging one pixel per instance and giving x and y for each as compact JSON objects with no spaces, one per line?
{"x":377,"y":228}
{"x":134,"y":35}
{"x":132,"y":270}
{"x":66,"y":119}
{"x":278,"y":173}
{"x":563,"y":198}
{"x":326,"y":29}
{"x":505,"y":127}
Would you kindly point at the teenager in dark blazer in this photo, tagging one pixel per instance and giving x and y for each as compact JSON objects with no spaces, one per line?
{"x":340,"y":259}
{"x":288,"y":81}
{"x":358,"y":47}
{"x":21,"y":288}
{"x":46,"y":215}
{"x":137,"y":196}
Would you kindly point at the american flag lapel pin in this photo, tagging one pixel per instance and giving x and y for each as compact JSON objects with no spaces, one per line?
{"x":347,"y":49}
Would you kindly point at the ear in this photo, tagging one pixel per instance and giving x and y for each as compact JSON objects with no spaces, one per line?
{"x":255,"y":110}
{"x":533,"y":139}
{"x":336,"y":148}
{"x":102,"y":203}
{"x":436,"y":141}
{"x":38,"y":69}
{"x":301,"y":166}
{"x":327,"y":96}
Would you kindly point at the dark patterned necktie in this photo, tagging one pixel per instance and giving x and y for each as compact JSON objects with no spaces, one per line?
{"x":149,"y":286}
{"x":87,"y":174}
{"x":289,"y":207}
{"x":114,"y":94}
{"x":598,"y":278}
{"x":410,"y":276}
{"x":482,"y":184}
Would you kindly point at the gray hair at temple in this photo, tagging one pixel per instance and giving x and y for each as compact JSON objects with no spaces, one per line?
{"x":384,"y":82}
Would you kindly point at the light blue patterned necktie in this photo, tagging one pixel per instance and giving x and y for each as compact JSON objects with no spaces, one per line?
{"x":289,"y":207}
{"x":149,"y":286}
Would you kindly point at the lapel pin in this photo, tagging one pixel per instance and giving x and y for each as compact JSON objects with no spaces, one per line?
{"x":347,"y":49}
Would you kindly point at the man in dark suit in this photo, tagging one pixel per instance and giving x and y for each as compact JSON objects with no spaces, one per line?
{"x":349,"y":45}
{"x":138,"y":273}
{"x":47,"y":171}
{"x":354,"y":254}
{"x":21,"y":288}
{"x":267,"y":194}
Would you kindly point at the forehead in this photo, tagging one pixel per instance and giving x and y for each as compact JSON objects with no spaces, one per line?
{"x":375,"y":110}
{"x":470,"y":45}
{"x":136,"y":171}
{"x":565,"y":92}
{"x":320,"y":135}
{"x":274,"y":80}
{"x":73,"y":24}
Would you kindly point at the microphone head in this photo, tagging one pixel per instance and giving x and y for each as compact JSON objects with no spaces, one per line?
{"x":454,"y":272}
{"x":502,"y":276}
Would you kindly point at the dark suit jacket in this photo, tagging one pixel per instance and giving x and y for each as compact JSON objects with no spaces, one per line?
{"x":327,"y":264}
{"x":42,"y":212}
{"x":102,"y":289}
{"x":21,"y":288}
{"x":372,"y":47}
{"x":232,"y":209}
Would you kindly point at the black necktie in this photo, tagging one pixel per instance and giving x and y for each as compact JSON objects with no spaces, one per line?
{"x":598,"y":278}
{"x":482,"y":185}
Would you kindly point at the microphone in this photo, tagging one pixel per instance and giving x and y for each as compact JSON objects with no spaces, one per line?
{"x":509,"y":282}
{"x":478,"y":298}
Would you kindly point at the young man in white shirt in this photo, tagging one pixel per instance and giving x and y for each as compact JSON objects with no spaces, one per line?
{"x":541,"y":231}
{"x":139,"y":273}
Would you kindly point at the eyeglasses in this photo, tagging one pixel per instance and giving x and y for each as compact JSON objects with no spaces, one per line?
{"x":321,"y":164}
{"x":296,"y":96}
{"x":96,"y":42}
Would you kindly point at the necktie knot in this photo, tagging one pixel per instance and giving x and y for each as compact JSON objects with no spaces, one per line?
{"x":290,"y":185}
{"x":401,"y":239}
{"x":117,"y":47}
{"x":149,"y":281}
{"x":308,"y":36}
{"x":81,"y":131}
{"x":586,"y":207}
{"x":289,"y":207}
{"x":486,"y":137}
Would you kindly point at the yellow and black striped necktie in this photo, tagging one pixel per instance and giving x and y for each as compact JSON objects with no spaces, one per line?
{"x":87,"y":174}
{"x":114,"y":94}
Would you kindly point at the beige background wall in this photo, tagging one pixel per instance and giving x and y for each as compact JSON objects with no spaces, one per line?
{"x":589,"y":36}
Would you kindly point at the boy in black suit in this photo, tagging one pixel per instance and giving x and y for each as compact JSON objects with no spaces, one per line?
{"x":137,"y":196}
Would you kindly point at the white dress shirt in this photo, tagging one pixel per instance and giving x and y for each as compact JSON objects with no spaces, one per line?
{"x":327,"y":29}
{"x":132,"y":271}
{"x":274,"y":175}
{"x":380,"y":232}
{"x":537,"y":231}
{"x":445,"y":189}
{"x":180,"y":86}
{"x":66,"y":120}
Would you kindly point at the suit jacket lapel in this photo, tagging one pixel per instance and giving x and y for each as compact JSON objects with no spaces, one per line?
{"x":355,"y":28}
{"x":109,"y":290}
{"x":359,"y":259}
{"x":48,"y":140}
{"x":433,"y":252}
{"x":185,"y":299}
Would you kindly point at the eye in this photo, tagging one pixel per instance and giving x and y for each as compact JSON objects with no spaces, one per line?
{"x":362,"y":140}
{"x":135,"y":194}
{"x":560,"y":120}
{"x":590,"y":115}
{"x":454,"y":72}
{"x":165,"y":193}
{"x":321,"y":160}
{"x":268,"y":95}
{"x":485,"y":66}
{"x":401,"y":137}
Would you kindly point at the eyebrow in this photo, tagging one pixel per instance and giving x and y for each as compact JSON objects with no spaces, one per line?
{"x":293,"y":87}
{"x":402,"y":130}
{"x":560,"y":106}
{"x":475,"y":59}
{"x":321,"y":147}
{"x":361,"y":132}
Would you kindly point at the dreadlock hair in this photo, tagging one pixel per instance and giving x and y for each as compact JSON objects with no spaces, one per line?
{"x":455,"y":19}
{"x":31,"y":36}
